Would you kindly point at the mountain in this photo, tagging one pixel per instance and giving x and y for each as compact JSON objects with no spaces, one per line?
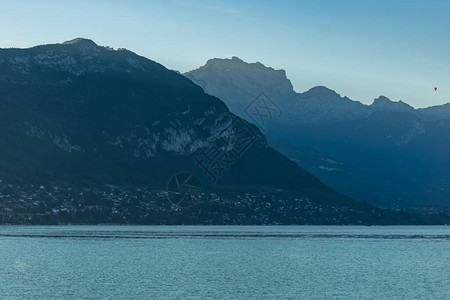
{"x":239,"y":82}
{"x":435,"y":113}
{"x":89,"y":134}
{"x":320,"y":105}
{"x":387,"y":153}
{"x":383,"y":103}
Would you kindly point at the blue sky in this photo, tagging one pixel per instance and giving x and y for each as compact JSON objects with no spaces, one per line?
{"x":361,"y":49}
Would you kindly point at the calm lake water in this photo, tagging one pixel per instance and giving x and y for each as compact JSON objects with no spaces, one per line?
{"x":224,"y":262}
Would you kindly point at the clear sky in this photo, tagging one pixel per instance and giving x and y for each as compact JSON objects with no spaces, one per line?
{"x":359,"y":48}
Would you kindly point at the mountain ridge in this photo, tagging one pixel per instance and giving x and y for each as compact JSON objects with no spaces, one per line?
{"x":90,"y":135}
{"x":387,"y":153}
{"x":381,"y":103}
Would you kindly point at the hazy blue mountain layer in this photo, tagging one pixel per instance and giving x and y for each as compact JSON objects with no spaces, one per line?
{"x":386,"y":153}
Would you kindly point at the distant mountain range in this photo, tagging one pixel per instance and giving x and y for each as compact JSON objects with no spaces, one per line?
{"x":89,"y":134}
{"x":237,"y":83}
{"x":386,"y":153}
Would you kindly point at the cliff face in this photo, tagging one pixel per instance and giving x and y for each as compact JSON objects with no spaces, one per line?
{"x":238,"y":82}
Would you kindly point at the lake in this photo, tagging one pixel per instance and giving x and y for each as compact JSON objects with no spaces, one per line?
{"x":224,"y":262}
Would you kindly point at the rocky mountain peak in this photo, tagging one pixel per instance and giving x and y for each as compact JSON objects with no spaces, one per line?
{"x":235,"y":58}
{"x":81,"y":41}
{"x":253,"y":77}
{"x":321,"y":91}
{"x":75,"y":57}
{"x":383,"y":103}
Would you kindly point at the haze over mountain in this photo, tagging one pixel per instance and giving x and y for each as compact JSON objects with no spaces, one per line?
{"x":386,"y":153}
{"x":238,"y":83}
{"x":90,"y":134}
